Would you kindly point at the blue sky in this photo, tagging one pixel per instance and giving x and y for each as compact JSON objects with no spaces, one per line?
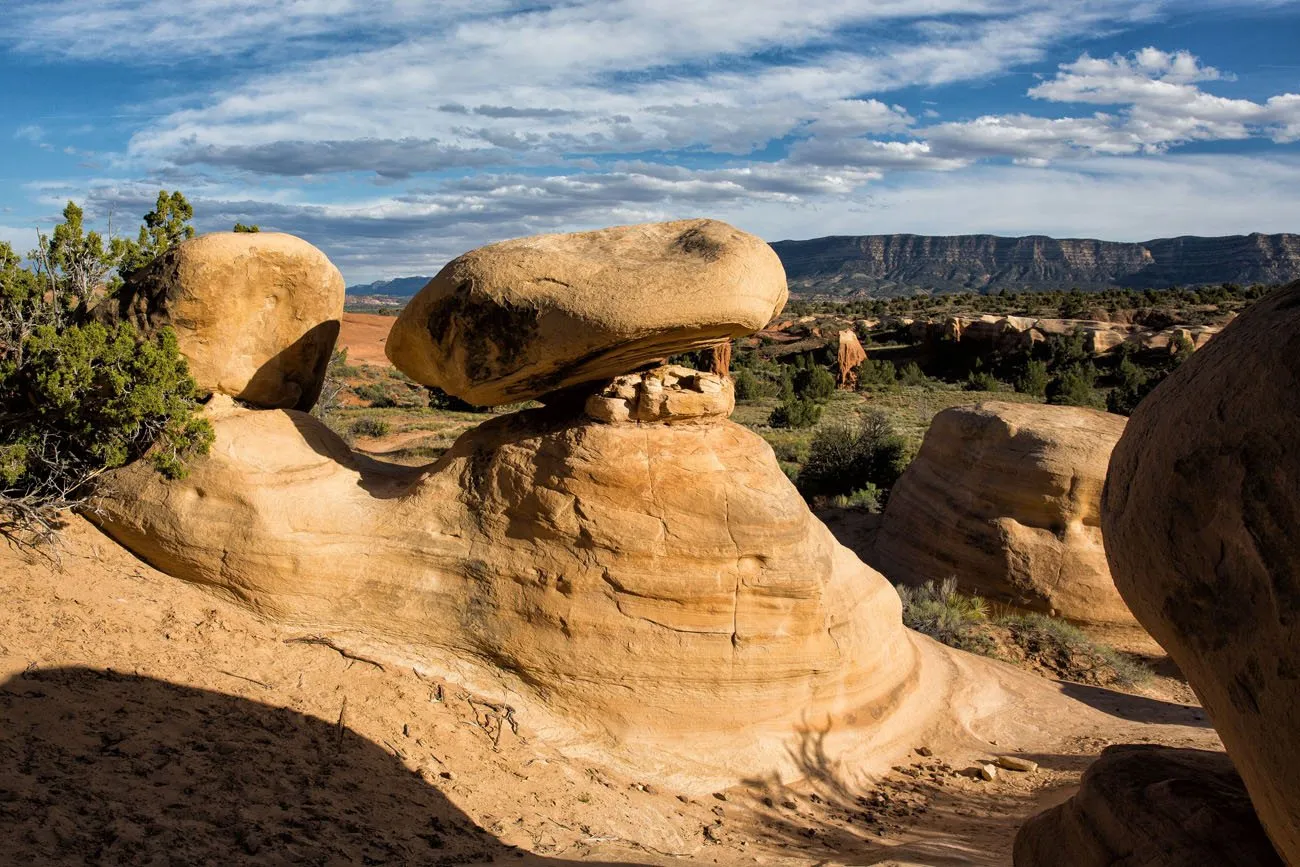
{"x":397,"y":135}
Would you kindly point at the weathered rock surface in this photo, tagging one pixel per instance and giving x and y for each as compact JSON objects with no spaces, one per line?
{"x":1006,"y":498}
{"x":1202,"y":521}
{"x":1150,"y":806}
{"x":849,"y":356}
{"x":255,"y":314}
{"x":527,"y":317}
{"x":663,"y":584}
{"x":669,"y":394}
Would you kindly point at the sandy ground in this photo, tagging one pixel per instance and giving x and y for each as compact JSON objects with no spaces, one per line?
{"x":363,"y":336}
{"x":144,"y":721}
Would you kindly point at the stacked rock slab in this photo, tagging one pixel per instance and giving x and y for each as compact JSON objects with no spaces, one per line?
{"x":255,"y":314}
{"x":1006,"y":498}
{"x":641,"y":568}
{"x":527,"y":317}
{"x":1151,"y":806}
{"x":1202,"y":523}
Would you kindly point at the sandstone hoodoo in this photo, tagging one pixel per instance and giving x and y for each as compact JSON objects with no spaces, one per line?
{"x":1200,"y":514}
{"x":628,"y":569}
{"x":1006,"y":498}
{"x":849,"y":356}
{"x":255,"y":314}
{"x":523,"y":318}
{"x":1151,"y":806}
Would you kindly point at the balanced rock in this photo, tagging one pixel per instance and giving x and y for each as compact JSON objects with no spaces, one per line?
{"x":1006,"y":498}
{"x":669,"y":394}
{"x":523,"y":318}
{"x":1150,"y":806}
{"x":255,"y":314}
{"x":1202,"y":521}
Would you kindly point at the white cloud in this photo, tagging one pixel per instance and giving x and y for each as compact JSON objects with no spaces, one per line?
{"x":494,"y":118}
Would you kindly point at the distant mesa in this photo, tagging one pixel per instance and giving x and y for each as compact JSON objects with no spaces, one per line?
{"x":888,"y":265}
{"x":892,"y":265}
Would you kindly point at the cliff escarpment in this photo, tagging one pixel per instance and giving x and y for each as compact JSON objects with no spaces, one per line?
{"x":884,"y":265}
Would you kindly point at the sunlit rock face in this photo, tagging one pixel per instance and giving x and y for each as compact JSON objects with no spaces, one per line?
{"x":255,"y":314}
{"x":1006,"y":498}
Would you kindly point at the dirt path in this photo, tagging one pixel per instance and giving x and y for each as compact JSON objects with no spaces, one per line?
{"x":363,"y":336}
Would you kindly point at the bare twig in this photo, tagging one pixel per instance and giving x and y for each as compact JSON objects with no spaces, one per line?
{"x":341,"y":651}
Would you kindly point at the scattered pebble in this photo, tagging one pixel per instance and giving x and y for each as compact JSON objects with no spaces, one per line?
{"x":988,"y":772}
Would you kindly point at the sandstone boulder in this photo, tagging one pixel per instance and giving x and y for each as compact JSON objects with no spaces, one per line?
{"x":527,"y":317}
{"x":1150,"y":806}
{"x":1202,"y":522}
{"x":255,"y":314}
{"x":1006,"y":498}
{"x":669,"y":394}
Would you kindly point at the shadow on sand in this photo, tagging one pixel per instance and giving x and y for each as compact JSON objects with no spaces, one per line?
{"x":103,"y":768}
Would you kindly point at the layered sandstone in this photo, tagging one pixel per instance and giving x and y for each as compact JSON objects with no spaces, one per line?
{"x":255,"y":314}
{"x":524,"y":318}
{"x":1202,"y":522}
{"x":658,"y":584}
{"x":1005,"y":497}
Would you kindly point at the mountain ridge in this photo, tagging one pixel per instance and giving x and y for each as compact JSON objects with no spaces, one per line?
{"x":900,"y":264}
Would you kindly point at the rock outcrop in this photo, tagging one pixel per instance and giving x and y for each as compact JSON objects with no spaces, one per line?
{"x":849,"y":356}
{"x":255,"y":314}
{"x":524,"y":318}
{"x":1150,"y":806}
{"x":1201,"y":516}
{"x":1006,"y":498}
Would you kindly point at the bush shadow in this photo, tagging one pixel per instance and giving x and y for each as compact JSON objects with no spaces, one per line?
{"x":98,"y":767}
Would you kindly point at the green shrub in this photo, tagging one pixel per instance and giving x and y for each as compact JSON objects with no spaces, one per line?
{"x":981,"y":380}
{"x":750,"y":387}
{"x":1074,"y":386}
{"x":944,"y":614}
{"x":911,"y":374}
{"x":795,"y":413}
{"x":77,"y":397}
{"x":814,"y":383}
{"x":844,"y":458}
{"x":868,"y":499}
{"x":377,"y":394}
{"x":1068,"y":652}
{"x":1033,"y":379}
{"x":369,"y":427}
{"x":874,"y":375}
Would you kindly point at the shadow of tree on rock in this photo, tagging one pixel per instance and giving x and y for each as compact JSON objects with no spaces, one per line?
{"x":98,"y":767}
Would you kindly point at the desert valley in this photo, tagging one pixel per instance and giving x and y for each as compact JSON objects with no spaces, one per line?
{"x":648,"y":432}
